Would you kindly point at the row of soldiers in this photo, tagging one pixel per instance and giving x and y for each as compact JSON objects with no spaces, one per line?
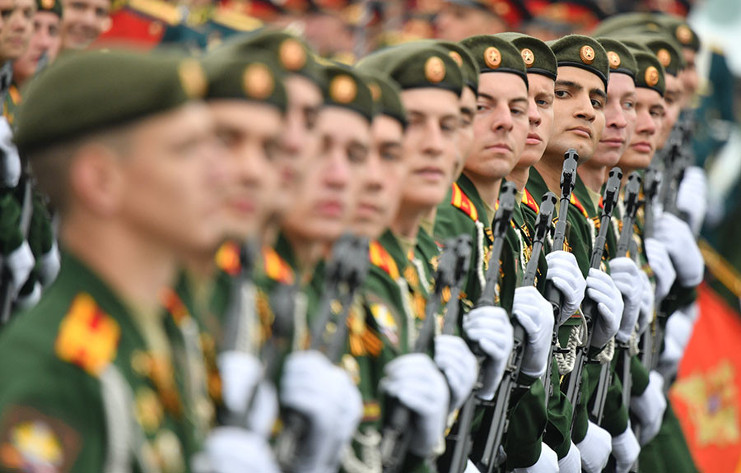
{"x":473,"y":256}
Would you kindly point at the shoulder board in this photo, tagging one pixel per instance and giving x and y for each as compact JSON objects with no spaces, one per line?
{"x":87,"y":337}
{"x":529,"y":201}
{"x":381,"y":258}
{"x":156,"y":9}
{"x":601,"y":204}
{"x":14,"y":94}
{"x":461,"y":201}
{"x":174,"y":305}
{"x":227,"y":258}
{"x":275,"y":267}
{"x":236,"y":20}
{"x":579,"y":205}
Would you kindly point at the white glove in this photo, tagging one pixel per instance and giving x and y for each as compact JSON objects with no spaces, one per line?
{"x":692,"y":196}
{"x":235,"y":450}
{"x":627,"y":277}
{"x":682,"y":248}
{"x":595,"y":449}
{"x":646,"y":315}
{"x":416,"y":382}
{"x":625,"y":449}
{"x":50,"y":263}
{"x":649,"y":407}
{"x":536,"y":316}
{"x":661,"y":264}
{"x":326,"y":396}
{"x":571,"y":463}
{"x":459,"y":366}
{"x":490,"y":327}
{"x":20,"y":263}
{"x":676,"y":337}
{"x":566,"y":276}
{"x":602,"y":290}
{"x":11,"y":162}
{"x":26,"y":301}
{"x":547,"y":462}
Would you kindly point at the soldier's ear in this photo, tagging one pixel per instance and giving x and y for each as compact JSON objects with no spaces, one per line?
{"x":96,"y":180}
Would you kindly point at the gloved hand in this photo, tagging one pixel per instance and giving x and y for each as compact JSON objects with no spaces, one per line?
{"x":20,"y":263}
{"x":566,"y":276}
{"x":11,"y":162}
{"x":627,"y":278}
{"x":692,"y":196}
{"x":571,"y":463}
{"x":50,"y":263}
{"x":595,"y":449}
{"x":235,"y":450}
{"x":326,"y":396}
{"x":661,"y":265}
{"x":676,"y":337}
{"x":491,"y":329}
{"x":547,"y":462}
{"x":458,"y":365}
{"x":625,"y":449}
{"x":416,"y":382}
{"x":243,"y":387}
{"x":536,"y":316}
{"x":602,"y":290}
{"x":682,"y":248}
{"x":646,"y":315}
{"x":649,"y":407}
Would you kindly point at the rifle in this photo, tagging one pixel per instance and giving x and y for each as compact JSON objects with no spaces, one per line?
{"x":589,"y":307}
{"x":552,"y":294}
{"x":451,"y":271}
{"x":345,"y":273}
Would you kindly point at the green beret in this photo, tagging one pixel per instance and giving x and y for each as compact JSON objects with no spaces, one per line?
{"x":667,"y":50}
{"x":51,"y":6}
{"x":416,"y":65}
{"x":346,"y":89}
{"x":103,"y":89}
{"x":386,"y":97}
{"x":257,"y":79}
{"x":493,"y":54}
{"x":619,"y":56}
{"x":626,"y":21}
{"x":537,"y":56}
{"x":583,"y":52}
{"x":650,"y":71}
{"x":291,"y":52}
{"x":680,"y":30}
{"x":465,"y":61}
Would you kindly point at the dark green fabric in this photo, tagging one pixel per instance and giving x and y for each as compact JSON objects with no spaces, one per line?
{"x":494,"y":54}
{"x":625,"y":62}
{"x":668,"y":451}
{"x":537,"y":56}
{"x":386,"y":96}
{"x":582,"y":52}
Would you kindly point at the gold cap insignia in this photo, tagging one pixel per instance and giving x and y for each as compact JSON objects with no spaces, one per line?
{"x":528,"y":57}
{"x":456,"y":57}
{"x":684,"y":34}
{"x":375,"y":91}
{"x":587,"y":54}
{"x":258,"y":81}
{"x":664,"y":57}
{"x":434,"y":69}
{"x":47,"y":4}
{"x":343,"y":89}
{"x":192,"y":78}
{"x":492,"y":57}
{"x":614,"y":59}
{"x":292,"y":55}
{"x":652,"y":76}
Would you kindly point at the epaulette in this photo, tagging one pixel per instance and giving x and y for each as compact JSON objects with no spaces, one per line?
{"x":174,"y":305}
{"x":579,"y":206}
{"x":235,"y":20}
{"x":529,"y":201}
{"x":158,"y":10}
{"x":88,"y":337}
{"x":227,"y":258}
{"x":275,"y":267}
{"x":381,"y":258}
{"x":601,"y":204}
{"x":461,"y":201}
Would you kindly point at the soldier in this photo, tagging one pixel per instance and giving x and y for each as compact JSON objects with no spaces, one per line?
{"x":124,"y":192}
{"x":83,"y":21}
{"x":17,"y":30}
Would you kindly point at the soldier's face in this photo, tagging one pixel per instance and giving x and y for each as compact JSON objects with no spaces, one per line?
{"x":430,"y":145}
{"x":251,"y":134}
{"x":578,"y":113}
{"x":673,"y":106}
{"x":465,"y":132}
{"x":17,"y":30}
{"x":689,"y":77}
{"x":500,"y":126}
{"x":620,"y":121}
{"x":44,"y":41}
{"x":540,"y":117}
{"x":171,"y":181}
{"x":457,"y":22}
{"x":382,"y":179}
{"x":324,"y":204}
{"x":649,"y":115}
{"x":83,"y":21}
